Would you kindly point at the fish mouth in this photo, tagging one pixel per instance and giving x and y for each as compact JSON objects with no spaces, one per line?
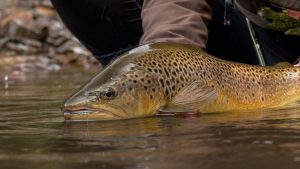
{"x":87,"y":114}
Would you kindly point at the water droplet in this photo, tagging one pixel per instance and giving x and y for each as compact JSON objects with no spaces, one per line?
{"x":268,"y":142}
{"x":297,"y":159}
{"x":227,"y":141}
{"x":6,"y":82}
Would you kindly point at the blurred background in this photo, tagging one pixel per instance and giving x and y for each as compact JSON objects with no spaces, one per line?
{"x":32,"y":38}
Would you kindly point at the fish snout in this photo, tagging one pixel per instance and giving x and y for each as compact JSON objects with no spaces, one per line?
{"x":75,"y":105}
{"x":78,"y":101}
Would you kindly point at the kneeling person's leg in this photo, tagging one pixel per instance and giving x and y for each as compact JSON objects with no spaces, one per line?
{"x":105,"y":27}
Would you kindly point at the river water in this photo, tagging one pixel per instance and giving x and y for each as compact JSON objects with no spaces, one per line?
{"x":33,"y":134}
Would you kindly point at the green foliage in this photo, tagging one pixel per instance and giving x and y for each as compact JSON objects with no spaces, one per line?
{"x":281,"y":21}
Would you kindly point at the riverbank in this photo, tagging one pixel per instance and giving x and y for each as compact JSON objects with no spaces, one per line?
{"x":32,"y":38}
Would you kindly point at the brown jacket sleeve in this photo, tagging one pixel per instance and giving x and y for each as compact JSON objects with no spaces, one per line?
{"x":181,"y":21}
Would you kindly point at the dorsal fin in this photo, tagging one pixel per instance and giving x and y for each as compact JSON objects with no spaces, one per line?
{"x":297,"y":63}
{"x":283,"y":64}
{"x":191,"y":98}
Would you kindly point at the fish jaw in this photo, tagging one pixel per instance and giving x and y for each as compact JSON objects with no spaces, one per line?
{"x":88,"y":114}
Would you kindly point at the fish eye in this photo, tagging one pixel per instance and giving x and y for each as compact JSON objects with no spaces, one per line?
{"x":108,"y":94}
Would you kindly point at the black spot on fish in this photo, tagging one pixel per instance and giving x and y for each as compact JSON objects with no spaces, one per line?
{"x":166,"y":72}
{"x":185,"y":71}
{"x":162,"y":83}
{"x":167,"y":82}
{"x":167,"y":92}
{"x":181,"y":78}
{"x":173,"y":87}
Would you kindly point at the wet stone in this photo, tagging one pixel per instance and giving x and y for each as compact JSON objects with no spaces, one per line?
{"x":32,"y":28}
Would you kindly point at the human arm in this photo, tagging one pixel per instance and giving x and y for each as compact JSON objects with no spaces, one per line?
{"x":180,"y":21}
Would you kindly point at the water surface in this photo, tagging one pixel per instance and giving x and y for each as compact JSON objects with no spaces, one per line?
{"x":33,"y":134}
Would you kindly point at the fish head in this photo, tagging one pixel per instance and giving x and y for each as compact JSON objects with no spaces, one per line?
{"x":116,"y":94}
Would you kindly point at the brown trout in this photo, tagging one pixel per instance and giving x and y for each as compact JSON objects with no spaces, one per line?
{"x":175,"y":78}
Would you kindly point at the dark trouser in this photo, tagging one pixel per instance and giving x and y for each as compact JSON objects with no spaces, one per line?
{"x":110,"y":27}
{"x":106,"y":27}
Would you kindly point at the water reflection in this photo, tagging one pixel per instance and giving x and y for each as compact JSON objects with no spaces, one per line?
{"x":33,"y":134}
{"x":210,"y":141}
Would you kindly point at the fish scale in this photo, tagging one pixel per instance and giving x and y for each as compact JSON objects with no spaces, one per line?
{"x":171,"y":77}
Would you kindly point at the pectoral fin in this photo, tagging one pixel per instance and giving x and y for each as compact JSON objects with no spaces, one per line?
{"x":191,"y":98}
{"x":173,"y":110}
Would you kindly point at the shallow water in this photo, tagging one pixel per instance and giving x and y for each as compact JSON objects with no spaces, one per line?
{"x":33,"y":134}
